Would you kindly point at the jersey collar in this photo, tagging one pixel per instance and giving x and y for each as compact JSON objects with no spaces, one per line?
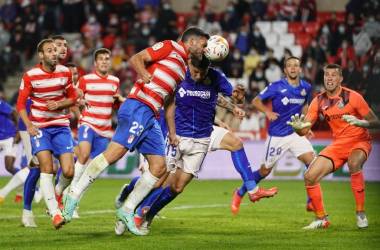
{"x":96,"y":73}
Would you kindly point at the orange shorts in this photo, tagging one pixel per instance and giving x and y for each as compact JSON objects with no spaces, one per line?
{"x":339,"y":150}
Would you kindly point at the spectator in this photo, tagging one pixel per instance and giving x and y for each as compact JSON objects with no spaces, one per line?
{"x":351,"y":23}
{"x":372,"y":27}
{"x":127,"y":9}
{"x":5,"y":36}
{"x":18,"y":44}
{"x":251,"y":61}
{"x":314,"y":51}
{"x":309,"y":70}
{"x":355,"y":7}
{"x":351,"y":75}
{"x":258,"y":9}
{"x":92,"y":29}
{"x":8,"y":12}
{"x":273,"y":10}
{"x":345,"y":52}
{"x":235,"y":62}
{"x":53,"y":11}
{"x":167,"y":15}
{"x":288,"y":11}
{"x":287,"y":53}
{"x":340,"y":35}
{"x":253,"y":122}
{"x":73,"y":12}
{"x":270,"y":58}
{"x":101,"y":12}
{"x":230,"y":19}
{"x":258,"y":77}
{"x":361,"y":41}
{"x":77,"y":49}
{"x":146,"y":13}
{"x":258,"y":41}
{"x":31,"y":35}
{"x":372,"y":91}
{"x":375,"y":57}
{"x":307,"y":10}
{"x":365,"y":79}
{"x":333,"y":23}
{"x":242,"y":40}
{"x":325,"y":39}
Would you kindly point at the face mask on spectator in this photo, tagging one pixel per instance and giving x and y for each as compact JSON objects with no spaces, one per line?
{"x":350,"y":22}
{"x":145,"y":32}
{"x":378,"y":54}
{"x":325,"y":30}
{"x":1,"y":28}
{"x":376,"y":71}
{"x":151,"y":43}
{"x":258,"y":75}
{"x":289,"y":1}
{"x":242,"y":33}
{"x":365,"y":68}
{"x":344,"y":45}
{"x":166,"y":6}
{"x":302,"y":75}
{"x":99,"y":45}
{"x":124,"y":65}
{"x":7,"y":49}
{"x":371,"y":20}
{"x":341,"y":29}
{"x":309,"y":64}
{"x":236,"y":56}
{"x":8,"y":2}
{"x":230,"y":9}
{"x":113,"y":21}
{"x":252,"y":52}
{"x":99,"y":7}
{"x":272,"y":66}
{"x":92,"y":19}
{"x":76,"y":43}
{"x":153,"y":20}
{"x":256,"y":33}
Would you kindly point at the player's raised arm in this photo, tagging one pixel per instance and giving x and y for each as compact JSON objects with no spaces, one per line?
{"x":238,"y":95}
{"x":222,"y":102}
{"x":138,"y":62}
{"x":258,"y":103}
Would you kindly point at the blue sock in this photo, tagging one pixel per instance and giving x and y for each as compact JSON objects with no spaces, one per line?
{"x":162,"y":200}
{"x":75,"y":159}
{"x":30,"y":187}
{"x":256,"y":177}
{"x":16,"y":170}
{"x":148,"y":201}
{"x":129,"y":189}
{"x":59,"y":172}
{"x":242,"y":190}
{"x":307,"y":167}
{"x":242,"y":165}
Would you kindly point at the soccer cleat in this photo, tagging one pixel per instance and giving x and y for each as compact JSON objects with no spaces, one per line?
{"x":18,"y":199}
{"x":38,"y":196}
{"x":138,"y":220}
{"x":28,"y":221}
{"x":128,"y":220}
{"x":47,"y":211}
{"x":119,"y":199}
{"x":236,"y":200}
{"x":319,"y":223}
{"x":120,"y":227}
{"x":58,"y":221}
{"x":362,"y":219}
{"x":309,"y":207}
{"x":262,"y":193}
{"x":76,"y":214}
{"x":1,"y":200}
{"x":69,"y":205}
{"x":146,"y":221}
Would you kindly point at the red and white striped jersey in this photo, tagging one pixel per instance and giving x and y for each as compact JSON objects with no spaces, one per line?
{"x":168,"y":67}
{"x":42,"y":86}
{"x":98,"y":91}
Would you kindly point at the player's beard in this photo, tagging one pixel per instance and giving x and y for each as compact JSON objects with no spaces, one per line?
{"x":50,"y":62}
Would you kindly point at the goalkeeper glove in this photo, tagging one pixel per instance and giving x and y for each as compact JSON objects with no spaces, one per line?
{"x":297,"y":123}
{"x":352,"y":120}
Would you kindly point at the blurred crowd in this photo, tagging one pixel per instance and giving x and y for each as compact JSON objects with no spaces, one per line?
{"x":129,"y":26}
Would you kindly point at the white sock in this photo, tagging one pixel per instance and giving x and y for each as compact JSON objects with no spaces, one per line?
{"x":79,"y":169}
{"x":62,"y":184}
{"x":18,"y":179}
{"x":253,"y":190}
{"x":20,"y":190}
{"x":93,"y":170}
{"x":142,"y":188}
{"x":27,"y":213}
{"x":47,"y":189}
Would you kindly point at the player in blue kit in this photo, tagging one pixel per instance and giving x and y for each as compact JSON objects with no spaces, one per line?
{"x":195,"y":103}
{"x":289,"y":96}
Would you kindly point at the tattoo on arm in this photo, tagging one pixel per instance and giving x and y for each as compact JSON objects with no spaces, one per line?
{"x":222,"y":102}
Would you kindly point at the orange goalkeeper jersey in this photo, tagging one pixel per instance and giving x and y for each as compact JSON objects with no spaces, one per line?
{"x":346,"y":102}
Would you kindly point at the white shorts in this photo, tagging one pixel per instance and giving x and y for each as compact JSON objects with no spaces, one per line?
{"x":188,"y":155}
{"x":276,"y":147}
{"x":28,"y":148}
{"x":216,"y":138}
{"x":9,"y":148}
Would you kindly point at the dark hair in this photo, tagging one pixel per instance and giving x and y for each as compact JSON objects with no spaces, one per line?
{"x":58,"y":37}
{"x":291,"y":57}
{"x":41,"y":44}
{"x":101,"y":51}
{"x":70,"y":64}
{"x":204,"y":63}
{"x":193,"y":31}
{"x":335,"y":66}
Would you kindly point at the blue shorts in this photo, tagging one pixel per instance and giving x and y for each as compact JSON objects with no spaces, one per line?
{"x":138,"y":129}
{"x":56,"y":139}
{"x":75,"y":143}
{"x":24,"y":159}
{"x":98,"y":143}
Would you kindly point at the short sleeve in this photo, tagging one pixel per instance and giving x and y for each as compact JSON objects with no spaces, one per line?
{"x":224,"y":86}
{"x":268,"y":93}
{"x":360,"y":105}
{"x":24,"y":92}
{"x":82,"y":84}
{"x":313,"y":112}
{"x":160,"y":50}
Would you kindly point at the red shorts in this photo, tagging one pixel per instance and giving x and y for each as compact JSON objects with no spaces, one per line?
{"x":339,"y":150}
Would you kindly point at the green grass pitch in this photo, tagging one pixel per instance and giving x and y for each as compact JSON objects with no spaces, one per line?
{"x":200,"y":218}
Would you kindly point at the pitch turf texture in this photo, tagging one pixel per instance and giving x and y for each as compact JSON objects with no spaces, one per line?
{"x":201,"y":218}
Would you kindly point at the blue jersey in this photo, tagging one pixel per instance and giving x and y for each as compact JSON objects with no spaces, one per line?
{"x":195,"y":103}
{"x":162,"y":122}
{"x":21,"y":124}
{"x":7,"y":128}
{"x":287,"y":100}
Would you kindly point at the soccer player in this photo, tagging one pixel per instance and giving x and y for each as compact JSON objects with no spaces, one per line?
{"x":349,"y":118}
{"x":194,"y":116}
{"x":289,"y":96}
{"x":161,"y":67}
{"x":49,"y":86}
{"x":95,"y":124}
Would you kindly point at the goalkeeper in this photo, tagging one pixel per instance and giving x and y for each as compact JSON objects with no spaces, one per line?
{"x":349,"y":118}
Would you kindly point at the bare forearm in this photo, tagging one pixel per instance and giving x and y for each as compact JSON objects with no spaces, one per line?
{"x":76,"y":112}
{"x":24,"y":117}
{"x":222,"y":102}
{"x":373,"y":123}
{"x":138,"y":64}
{"x":66,"y":103}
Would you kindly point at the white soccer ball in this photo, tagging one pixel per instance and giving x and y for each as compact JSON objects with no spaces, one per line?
{"x":217,"y":48}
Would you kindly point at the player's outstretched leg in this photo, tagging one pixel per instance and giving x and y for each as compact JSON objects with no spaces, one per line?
{"x":358,"y":188}
{"x":124,"y":192}
{"x":17,"y":180}
{"x":309,"y":205}
{"x":148,"y":201}
{"x":321,"y":220}
{"x":29,"y":192}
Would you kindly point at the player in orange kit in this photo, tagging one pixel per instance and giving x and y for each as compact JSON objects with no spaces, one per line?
{"x":349,"y":118}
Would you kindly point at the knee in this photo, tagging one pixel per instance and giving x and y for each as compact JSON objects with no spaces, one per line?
{"x":354,"y":165}
{"x":84,"y":157}
{"x":176,"y":189}
{"x":158,"y":169}
{"x":309,"y":179}
{"x":237,"y":144}
{"x":68,"y":173}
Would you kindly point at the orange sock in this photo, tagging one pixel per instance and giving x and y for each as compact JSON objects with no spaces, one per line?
{"x":315,"y":195}
{"x":357,"y":185}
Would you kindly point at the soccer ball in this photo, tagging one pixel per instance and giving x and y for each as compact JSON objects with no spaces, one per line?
{"x":217,"y":48}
